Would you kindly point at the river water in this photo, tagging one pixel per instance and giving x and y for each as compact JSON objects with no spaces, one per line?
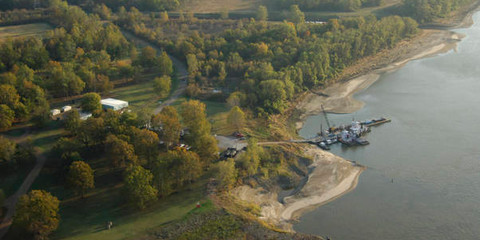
{"x":430,"y":150}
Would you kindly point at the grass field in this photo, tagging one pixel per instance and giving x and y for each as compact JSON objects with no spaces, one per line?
{"x":26,"y":30}
{"x":215,"y":6}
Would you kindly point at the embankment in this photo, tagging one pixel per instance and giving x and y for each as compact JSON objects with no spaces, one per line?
{"x":329,"y":178}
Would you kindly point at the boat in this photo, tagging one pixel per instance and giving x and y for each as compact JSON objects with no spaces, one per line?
{"x":361,"y":141}
{"x":323,"y":146}
{"x":375,"y":122}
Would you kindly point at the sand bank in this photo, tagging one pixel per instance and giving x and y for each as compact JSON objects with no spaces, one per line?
{"x":338,"y":97}
{"x":330,"y":177}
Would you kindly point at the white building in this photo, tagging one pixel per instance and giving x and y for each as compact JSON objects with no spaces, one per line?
{"x":85,"y":115}
{"x":66,"y":108}
{"x":114,"y":104}
{"x":55,"y":112}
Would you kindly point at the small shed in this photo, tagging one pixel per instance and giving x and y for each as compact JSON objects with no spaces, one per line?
{"x":114,"y":104}
{"x":66,"y":108}
{"x":85,"y":115}
{"x":55,"y":112}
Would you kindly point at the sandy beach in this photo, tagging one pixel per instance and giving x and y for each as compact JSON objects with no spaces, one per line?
{"x":330,"y":177}
{"x":338,"y":97}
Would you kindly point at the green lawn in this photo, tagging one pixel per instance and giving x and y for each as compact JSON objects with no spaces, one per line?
{"x":138,"y":95}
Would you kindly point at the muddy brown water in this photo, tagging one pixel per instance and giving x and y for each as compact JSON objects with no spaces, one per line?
{"x":430,"y":150}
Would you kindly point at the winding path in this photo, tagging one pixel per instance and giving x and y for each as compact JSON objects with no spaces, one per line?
{"x":182,"y":72}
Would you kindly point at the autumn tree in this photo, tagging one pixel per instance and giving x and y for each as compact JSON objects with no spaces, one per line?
{"x":236,"y":99}
{"x":168,"y":124}
{"x":92,"y":132}
{"x":164,"y":16}
{"x":80,"y":177}
{"x":226,"y":173}
{"x":162,"y":86}
{"x":224,"y":14}
{"x":91,"y":102}
{"x":138,"y":186}
{"x":37,"y":213}
{"x":199,"y":136}
{"x":236,"y":118}
{"x":119,"y":152}
{"x":7,"y":116}
{"x":262,"y":13}
{"x":7,"y":150}
{"x":145,"y":143}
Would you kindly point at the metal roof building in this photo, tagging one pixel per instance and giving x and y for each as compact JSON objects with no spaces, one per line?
{"x":114,"y":104}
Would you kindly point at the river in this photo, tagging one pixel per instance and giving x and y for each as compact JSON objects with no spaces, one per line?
{"x":423,"y":176}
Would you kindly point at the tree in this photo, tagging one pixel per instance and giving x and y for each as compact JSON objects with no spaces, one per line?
{"x":164,"y":16}
{"x":195,"y":119}
{"x":91,"y":102}
{"x":236,"y":99}
{"x":168,"y":123}
{"x":162,"y":86}
{"x":226,"y":173}
{"x":175,"y":168}
{"x":119,"y":152}
{"x":7,"y":150}
{"x":251,"y":158}
{"x":9,"y":96}
{"x":72,"y":121}
{"x":145,"y":143}
{"x":138,"y":186}
{"x":37,"y":213}
{"x":80,"y":177}
{"x":7,"y":116}
{"x":224,"y":14}
{"x":262,"y":13}
{"x":92,"y":132}
{"x":148,"y":57}
{"x":296,"y":15}
{"x":165,"y":64}
{"x":236,"y":118}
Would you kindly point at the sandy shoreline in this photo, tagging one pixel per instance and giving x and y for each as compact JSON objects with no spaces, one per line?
{"x":338,"y":98}
{"x":330,"y":177}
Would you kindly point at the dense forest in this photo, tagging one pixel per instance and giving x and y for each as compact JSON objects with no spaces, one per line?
{"x":427,"y":10}
{"x":262,"y":64}
{"x":80,"y":55}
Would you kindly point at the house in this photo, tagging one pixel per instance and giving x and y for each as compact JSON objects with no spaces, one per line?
{"x":66,"y":108}
{"x":114,"y":104}
{"x":55,"y":112}
{"x":85,"y":115}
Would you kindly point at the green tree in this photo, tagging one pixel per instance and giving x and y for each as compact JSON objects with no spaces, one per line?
{"x":226,"y":173}
{"x":80,"y":177}
{"x":7,"y":150}
{"x":119,"y":152}
{"x":91,"y":102}
{"x":262,"y":13}
{"x":165,"y":64}
{"x":72,"y":121}
{"x":92,"y":132}
{"x":296,"y":15}
{"x":138,"y":186}
{"x":162,"y":86}
{"x":251,"y":158}
{"x":37,"y":213}
{"x":224,"y":14}
{"x":236,"y":118}
{"x":7,"y":116}
{"x":9,"y":96}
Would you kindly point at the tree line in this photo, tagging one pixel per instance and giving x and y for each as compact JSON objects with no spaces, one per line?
{"x":325,"y":5}
{"x":427,"y":10}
